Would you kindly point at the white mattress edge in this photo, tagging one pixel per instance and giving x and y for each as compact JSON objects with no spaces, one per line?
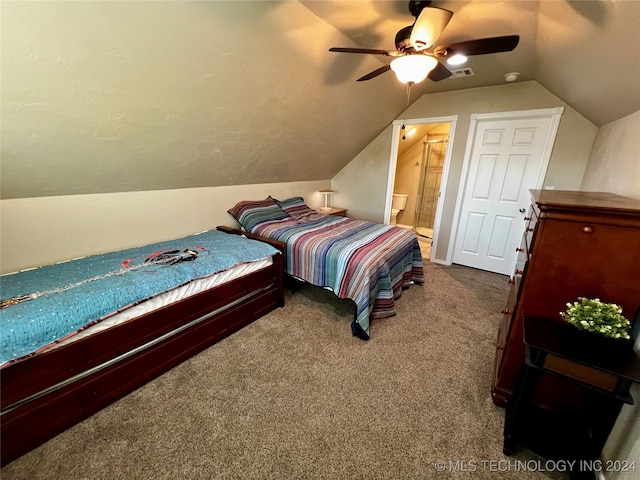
{"x":161,"y":300}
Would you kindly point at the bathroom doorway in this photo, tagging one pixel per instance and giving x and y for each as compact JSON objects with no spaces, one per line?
{"x":419,"y":172}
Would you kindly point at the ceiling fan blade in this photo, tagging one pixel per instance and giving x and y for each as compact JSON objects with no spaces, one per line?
{"x":371,"y":51}
{"x":375,"y":73}
{"x":440,"y":72}
{"x":428,"y":27}
{"x":479,"y":46}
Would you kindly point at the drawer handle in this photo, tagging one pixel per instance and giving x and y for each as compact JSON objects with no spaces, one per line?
{"x":519,"y":272}
{"x":528,"y":229}
{"x":511,"y":281}
{"x":587,"y":229}
{"x":526,"y":219}
{"x":507,"y":311}
{"x":518,"y":249}
{"x":499,"y":347}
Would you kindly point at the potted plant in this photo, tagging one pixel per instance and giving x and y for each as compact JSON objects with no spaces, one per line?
{"x":600,"y":318}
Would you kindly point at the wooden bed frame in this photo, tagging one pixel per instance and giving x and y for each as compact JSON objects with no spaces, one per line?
{"x":290,"y":282}
{"x":44,"y":395}
{"x":281,"y":246}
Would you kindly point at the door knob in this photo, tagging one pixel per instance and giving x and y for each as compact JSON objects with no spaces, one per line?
{"x":522,"y":210}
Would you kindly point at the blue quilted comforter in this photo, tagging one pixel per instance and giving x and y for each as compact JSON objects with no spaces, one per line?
{"x":43,"y":305}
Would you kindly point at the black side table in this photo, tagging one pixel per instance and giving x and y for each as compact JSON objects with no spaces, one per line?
{"x":555,"y":348}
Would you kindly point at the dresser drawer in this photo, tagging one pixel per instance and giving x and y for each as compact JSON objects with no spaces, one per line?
{"x":580,"y":259}
{"x":531,"y":220}
{"x":523,"y":254}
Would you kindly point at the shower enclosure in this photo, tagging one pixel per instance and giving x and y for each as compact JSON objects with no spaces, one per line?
{"x":433,"y":154}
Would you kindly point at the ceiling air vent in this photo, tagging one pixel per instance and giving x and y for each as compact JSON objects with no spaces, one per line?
{"x":462,"y":72}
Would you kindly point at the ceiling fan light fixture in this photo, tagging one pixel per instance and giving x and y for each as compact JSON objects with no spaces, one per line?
{"x":457,"y":59}
{"x":413,"y":68}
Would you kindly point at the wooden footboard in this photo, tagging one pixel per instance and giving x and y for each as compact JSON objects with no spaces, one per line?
{"x":281,"y":246}
{"x":48,"y":393}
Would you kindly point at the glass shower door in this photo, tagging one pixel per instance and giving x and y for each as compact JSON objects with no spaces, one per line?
{"x":429,"y":184}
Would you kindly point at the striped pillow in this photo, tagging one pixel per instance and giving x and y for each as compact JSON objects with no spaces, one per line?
{"x":294,"y":206}
{"x":250,"y":214}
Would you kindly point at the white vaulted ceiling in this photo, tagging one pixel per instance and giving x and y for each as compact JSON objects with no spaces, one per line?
{"x":125,"y":96}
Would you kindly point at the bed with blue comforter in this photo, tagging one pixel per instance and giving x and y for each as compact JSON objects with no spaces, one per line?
{"x":366,"y":262}
{"x":216,"y":283}
{"x":49,"y":303}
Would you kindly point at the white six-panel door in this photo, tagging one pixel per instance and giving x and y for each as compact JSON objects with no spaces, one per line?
{"x":508,"y":157}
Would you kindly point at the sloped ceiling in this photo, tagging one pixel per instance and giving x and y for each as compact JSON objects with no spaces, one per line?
{"x":124,"y":96}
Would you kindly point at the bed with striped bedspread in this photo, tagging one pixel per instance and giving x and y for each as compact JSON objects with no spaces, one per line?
{"x":366,"y":262}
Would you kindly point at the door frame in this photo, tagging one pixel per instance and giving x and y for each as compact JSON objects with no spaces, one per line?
{"x":553,"y":113}
{"x":393,"y":161}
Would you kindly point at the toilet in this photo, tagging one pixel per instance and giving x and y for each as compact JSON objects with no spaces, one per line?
{"x":398,"y":204}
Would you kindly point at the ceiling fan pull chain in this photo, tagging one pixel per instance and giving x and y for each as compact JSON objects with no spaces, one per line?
{"x":404,"y":137}
{"x":408,"y":95}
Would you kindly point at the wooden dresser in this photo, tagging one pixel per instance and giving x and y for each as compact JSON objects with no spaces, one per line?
{"x":575,"y":244}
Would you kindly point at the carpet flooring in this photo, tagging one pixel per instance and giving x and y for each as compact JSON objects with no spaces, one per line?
{"x":295,"y":396}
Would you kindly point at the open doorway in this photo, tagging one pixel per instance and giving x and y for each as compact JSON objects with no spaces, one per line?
{"x":418,"y":177}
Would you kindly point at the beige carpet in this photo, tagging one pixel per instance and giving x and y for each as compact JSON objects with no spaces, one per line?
{"x":295,"y":396}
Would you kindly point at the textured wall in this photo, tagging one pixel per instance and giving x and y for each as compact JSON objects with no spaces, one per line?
{"x":614,"y":165}
{"x":107,"y":96}
{"x":603,"y":66}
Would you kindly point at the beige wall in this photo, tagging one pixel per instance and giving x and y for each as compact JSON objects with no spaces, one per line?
{"x":614,"y":166}
{"x":361,"y":186}
{"x":43,"y":230}
{"x":364,"y":180}
{"x":104,"y":96}
{"x":407,"y":178}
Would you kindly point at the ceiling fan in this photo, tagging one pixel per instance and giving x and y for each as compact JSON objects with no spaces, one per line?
{"x":416,"y":55}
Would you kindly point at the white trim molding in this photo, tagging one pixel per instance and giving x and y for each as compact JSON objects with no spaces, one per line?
{"x":393,"y":161}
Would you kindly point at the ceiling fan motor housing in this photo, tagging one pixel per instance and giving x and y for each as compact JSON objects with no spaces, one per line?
{"x":415,"y":7}
{"x":402,"y":39}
